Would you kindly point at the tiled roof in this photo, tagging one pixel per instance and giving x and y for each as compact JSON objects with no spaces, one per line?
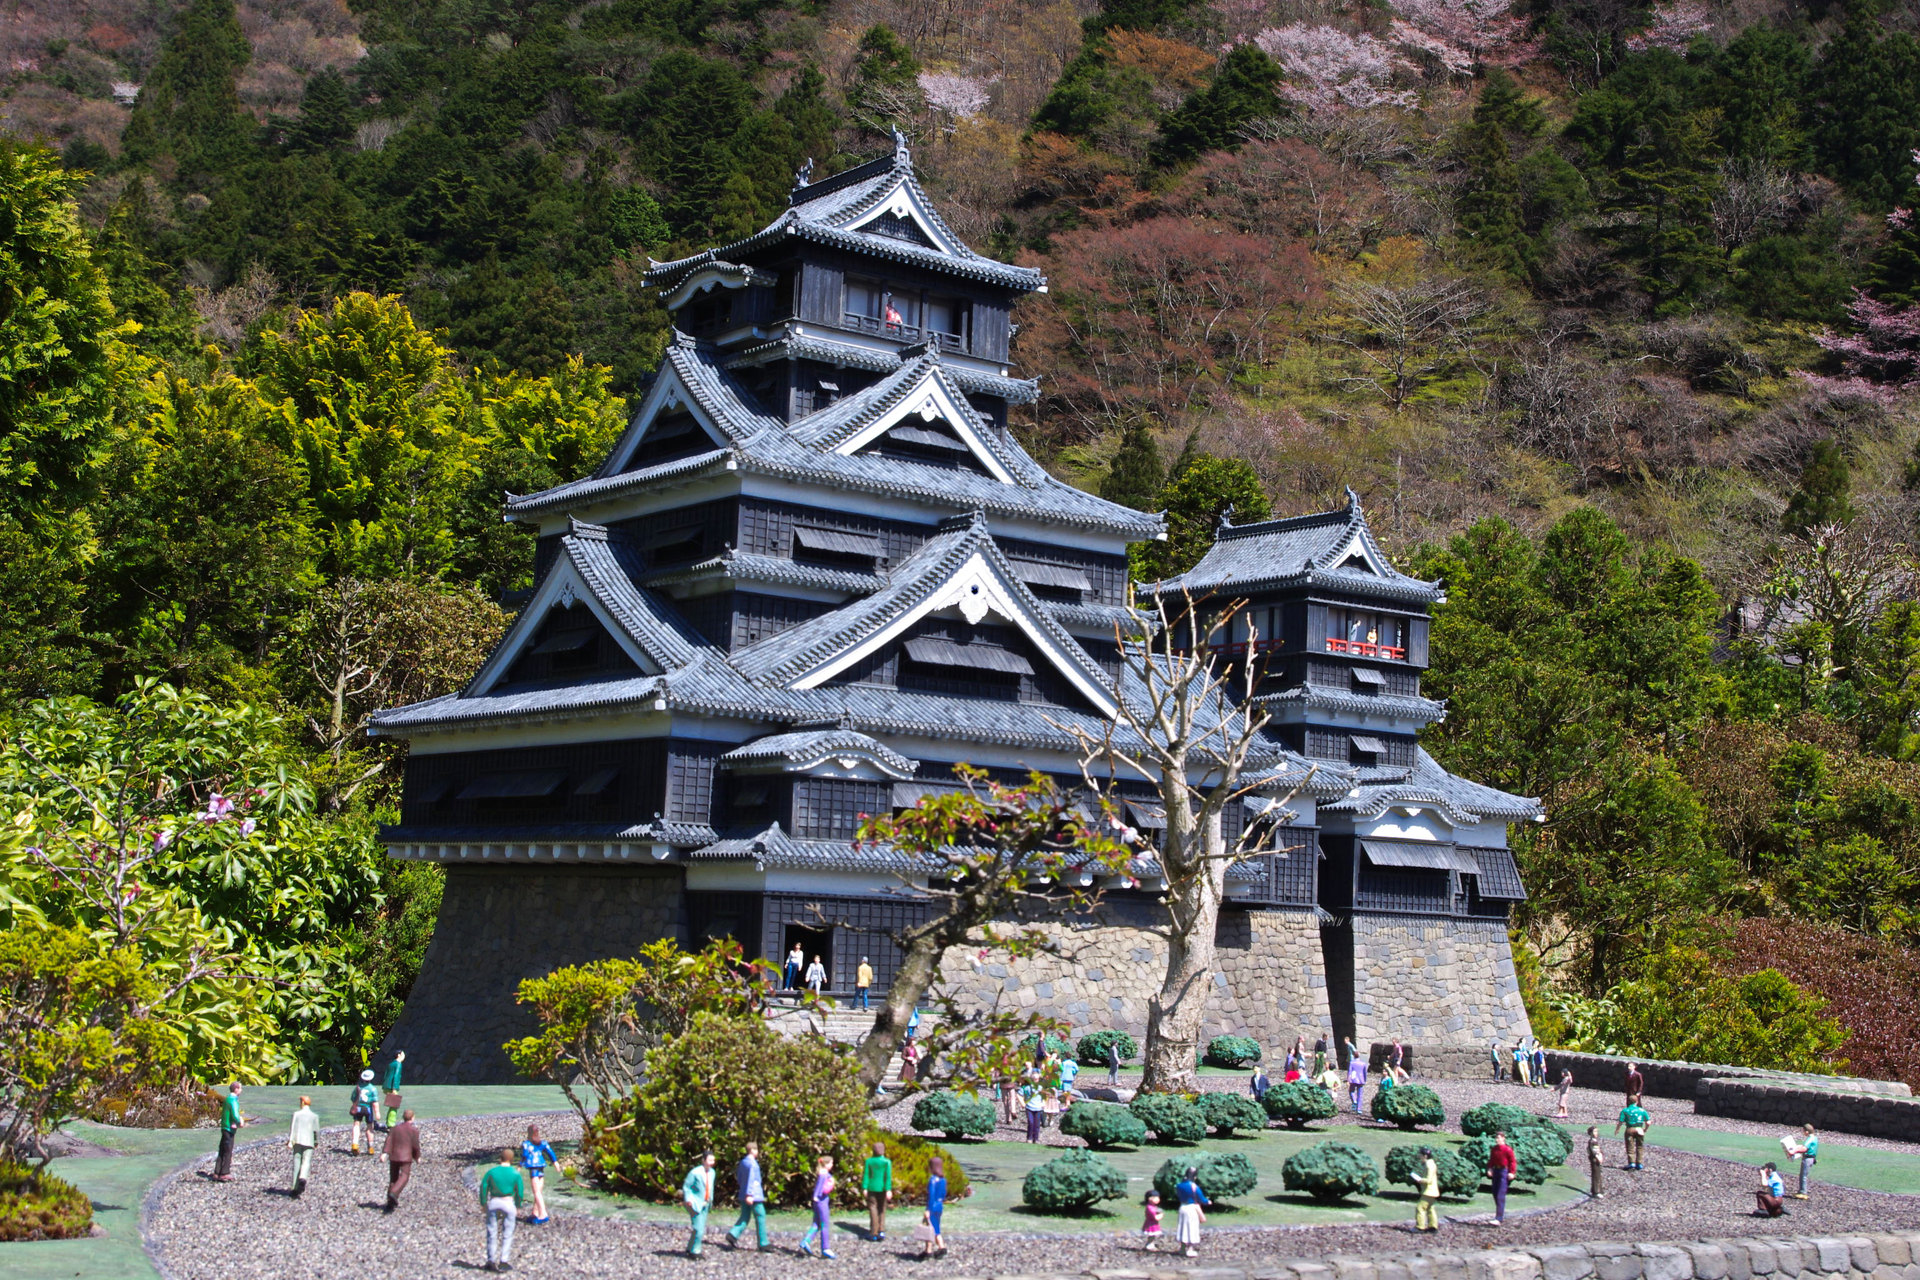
{"x":827,"y":351}
{"x":1425,"y":710}
{"x":771,"y":848}
{"x":746,"y":566}
{"x":685,"y":835}
{"x":610,"y":565}
{"x":825,"y":212}
{"x":808,"y":746}
{"x":1464,"y":802}
{"x":1296,"y":550}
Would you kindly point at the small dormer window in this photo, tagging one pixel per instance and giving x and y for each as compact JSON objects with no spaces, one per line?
{"x":1368,"y":750}
{"x":673,"y":434}
{"x":895,"y":227}
{"x":837,"y":548}
{"x":1367,"y":680}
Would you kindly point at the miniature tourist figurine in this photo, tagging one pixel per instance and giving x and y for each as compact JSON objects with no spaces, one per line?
{"x":1150,"y":1228}
{"x":1635,"y":1118}
{"x":936,"y":1205}
{"x":390,"y":1084}
{"x":402,"y":1150}
{"x":535,"y":1156}
{"x":1539,"y":1063}
{"x":502,"y":1192}
{"x":1636,"y":1083}
{"x":1356,"y":1080}
{"x":1113,"y":1061}
{"x":795,"y":959}
{"x":816,"y":976}
{"x":863,"y":980}
{"x":1069,"y":1076}
{"x":1770,"y":1199}
{"x":365,"y":1099}
{"x":1319,"y":1055}
{"x":876,"y":1179}
{"x":1501,"y":1166}
{"x":1036,"y":1107}
{"x":696,"y":1192}
{"x":1561,"y":1091}
{"x":1499,"y":1067}
{"x":823,"y":1188}
{"x":1808,"y":1154}
{"x":1596,"y":1161}
{"x":1193,"y":1203}
{"x":1426,"y":1212}
{"x":231,"y":1122}
{"x":303,"y":1135}
{"x":1259,"y":1084}
{"x":753,"y":1200}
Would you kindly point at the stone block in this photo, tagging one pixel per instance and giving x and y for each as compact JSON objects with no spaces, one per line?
{"x":1739,"y":1265}
{"x":1306,"y":1269}
{"x":1887,"y":1273}
{"x":1709,"y":1263}
{"x":1392,"y":1268}
{"x":1762,"y":1260}
{"x":1664,"y":1262}
{"x":1567,"y":1262}
{"x":1832,"y":1254}
{"x":1866,"y":1258}
{"x":1448,"y":1266}
{"x":1354,"y":1269}
{"x":1625,"y":1265}
{"x":1512,"y":1266}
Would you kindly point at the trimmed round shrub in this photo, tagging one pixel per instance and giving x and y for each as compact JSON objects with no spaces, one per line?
{"x":1458,"y":1176}
{"x":1092,"y":1049}
{"x":910,"y":1155}
{"x":1494,"y":1117}
{"x":39,"y":1206}
{"x":1232,"y":1051}
{"x":1226,"y":1112}
{"x":1171,"y":1117}
{"x":1222,"y":1175}
{"x":956,"y":1115}
{"x":1543,"y":1145}
{"x":1072,"y":1182}
{"x":1102,"y":1125}
{"x":1407,"y":1105}
{"x":1054,"y":1045}
{"x":1529,"y":1167}
{"x":1331,"y":1171}
{"x":1295,"y":1104}
{"x":1559,"y":1137}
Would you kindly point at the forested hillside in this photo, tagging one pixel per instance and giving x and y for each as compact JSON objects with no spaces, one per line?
{"x":1610,"y":312}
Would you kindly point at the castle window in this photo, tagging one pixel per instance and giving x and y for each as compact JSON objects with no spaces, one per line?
{"x":669,"y":436}
{"x":1365,"y":634}
{"x":836,"y":548}
{"x":933,"y":651}
{"x":1368,"y":750}
{"x":1367,"y":680}
{"x":1062,"y":582}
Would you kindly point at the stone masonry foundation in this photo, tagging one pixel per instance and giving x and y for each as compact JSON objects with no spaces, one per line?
{"x":1432,"y":981}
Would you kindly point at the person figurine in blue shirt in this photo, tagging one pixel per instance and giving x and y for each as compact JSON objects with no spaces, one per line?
{"x":1193,"y":1203}
{"x":535,"y":1156}
{"x":753,"y":1200}
{"x":1770,"y":1198}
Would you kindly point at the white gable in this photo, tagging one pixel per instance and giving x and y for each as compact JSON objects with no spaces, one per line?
{"x":930,"y":401}
{"x":1357,"y":549}
{"x":977,"y":589}
{"x":667,"y":394}
{"x":903,"y":203}
{"x":562,"y":588}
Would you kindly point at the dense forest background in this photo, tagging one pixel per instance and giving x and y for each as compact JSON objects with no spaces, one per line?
{"x":1609,"y":311}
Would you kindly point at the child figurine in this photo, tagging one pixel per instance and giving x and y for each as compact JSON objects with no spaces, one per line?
{"x":1150,"y":1229}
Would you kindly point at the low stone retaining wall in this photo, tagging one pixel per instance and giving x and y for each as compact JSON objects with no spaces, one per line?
{"x":1435,"y":1061}
{"x":1682,"y":1079}
{"x":1876,"y":1115}
{"x":1880,"y":1257}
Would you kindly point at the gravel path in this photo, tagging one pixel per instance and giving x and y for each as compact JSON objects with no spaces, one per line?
{"x":201,"y":1230}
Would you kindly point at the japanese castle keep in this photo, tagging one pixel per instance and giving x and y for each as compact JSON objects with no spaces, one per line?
{"x":815,"y":573}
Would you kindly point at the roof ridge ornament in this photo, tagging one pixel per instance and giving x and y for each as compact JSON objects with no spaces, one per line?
{"x":1226,"y":518}
{"x":1353,"y":499}
{"x":902,"y":155}
{"x":802,"y":178}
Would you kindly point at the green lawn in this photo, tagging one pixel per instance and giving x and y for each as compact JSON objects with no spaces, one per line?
{"x":997,"y":1169}
{"x":118,"y":1184}
{"x":1863,"y":1167}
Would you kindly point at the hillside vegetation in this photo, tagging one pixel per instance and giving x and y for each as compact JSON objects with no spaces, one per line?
{"x":1610,"y":312}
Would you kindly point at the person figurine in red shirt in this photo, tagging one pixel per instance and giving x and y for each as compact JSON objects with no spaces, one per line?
{"x":1501,"y":1167}
{"x":1636,"y":1083}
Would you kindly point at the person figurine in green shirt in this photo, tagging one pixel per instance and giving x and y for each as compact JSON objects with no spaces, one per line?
{"x":391,"y":1084}
{"x":1635,"y":1118}
{"x":231,"y":1121}
{"x":502,"y":1192}
{"x":876,"y":1179}
{"x":697,"y":1193}
{"x":303,"y":1135}
{"x":1808,"y":1152}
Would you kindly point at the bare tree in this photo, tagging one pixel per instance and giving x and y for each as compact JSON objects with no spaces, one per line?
{"x":1754,"y":195}
{"x":1192,"y":730}
{"x":1407,"y":333}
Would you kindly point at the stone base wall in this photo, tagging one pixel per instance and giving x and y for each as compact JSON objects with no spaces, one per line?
{"x":1268,"y":983}
{"x":1845,"y":1111}
{"x":1433,"y":981}
{"x":1683,"y":1079}
{"x":500,"y":924}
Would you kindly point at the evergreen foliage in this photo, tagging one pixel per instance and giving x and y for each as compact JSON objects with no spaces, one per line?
{"x":35,"y":1205}
{"x":955,"y":1115}
{"x":1222,"y":1175}
{"x":1409,"y":1106}
{"x":1459,"y":1177}
{"x":1226,"y":1112}
{"x":1297,"y":1103}
{"x":1494,"y":1117}
{"x":1529,"y":1158}
{"x":1103,"y":1125}
{"x":1170,"y":1117}
{"x":1137,"y":474}
{"x":1331,"y":1171}
{"x":1073,"y":1182}
{"x":1091,"y":1051}
{"x":1823,"y":496}
{"x":1232,"y":1051}
{"x":1243,"y":90}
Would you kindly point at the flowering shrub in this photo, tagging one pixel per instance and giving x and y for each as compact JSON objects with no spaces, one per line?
{"x":1871,"y":986}
{"x":1329,"y":70}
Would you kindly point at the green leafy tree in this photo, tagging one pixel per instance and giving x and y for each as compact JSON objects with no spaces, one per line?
{"x":1222,"y":1175}
{"x":1458,"y":1178}
{"x":1073,"y":1182}
{"x":1331,"y":1171}
{"x":189,"y":105}
{"x":1295,"y":1104}
{"x":1103,"y":1125}
{"x":1866,"y":110}
{"x":326,"y":113}
{"x":1493,"y":201}
{"x":1244,"y":89}
{"x":1824,"y":494}
{"x":1137,"y":475}
{"x":1759,"y":85}
{"x":1200,"y":491}
{"x":886,"y":87}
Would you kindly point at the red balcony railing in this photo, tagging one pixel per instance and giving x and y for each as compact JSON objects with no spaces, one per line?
{"x":1363,"y":649}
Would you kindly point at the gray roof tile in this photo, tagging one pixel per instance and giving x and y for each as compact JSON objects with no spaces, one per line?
{"x":808,"y":746}
{"x":1464,"y":802}
{"x":1296,"y":550}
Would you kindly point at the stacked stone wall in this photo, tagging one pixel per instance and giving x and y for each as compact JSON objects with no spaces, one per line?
{"x":1878,"y":1115}
{"x":499,"y":924}
{"x":1683,"y":1079}
{"x":1433,"y":981}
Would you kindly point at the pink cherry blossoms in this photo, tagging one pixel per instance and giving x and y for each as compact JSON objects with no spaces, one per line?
{"x":1329,"y":70}
{"x":1675,"y":24}
{"x":1881,"y":356}
{"x":958,"y":96}
{"x":1461,"y":34}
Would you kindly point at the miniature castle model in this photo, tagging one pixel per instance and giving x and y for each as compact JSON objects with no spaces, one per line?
{"x":814,"y":574}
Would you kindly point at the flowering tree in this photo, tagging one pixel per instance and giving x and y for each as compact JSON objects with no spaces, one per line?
{"x":955,"y":96}
{"x":1674,"y":26}
{"x":1462,"y":34}
{"x":1882,"y":354}
{"x":1330,"y":70}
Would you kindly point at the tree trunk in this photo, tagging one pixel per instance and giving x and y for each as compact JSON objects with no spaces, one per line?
{"x":1175,"y":1014}
{"x":911,"y":982}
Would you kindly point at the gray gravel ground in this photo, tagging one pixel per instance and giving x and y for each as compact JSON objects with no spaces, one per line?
{"x":201,"y":1230}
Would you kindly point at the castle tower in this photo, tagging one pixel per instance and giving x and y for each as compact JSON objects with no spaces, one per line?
{"x":1415,"y":878}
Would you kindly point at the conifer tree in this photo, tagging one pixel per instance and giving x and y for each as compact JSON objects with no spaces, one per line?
{"x":189,"y":107}
{"x":1661,"y":207}
{"x":1760,"y":86}
{"x":326,"y":113}
{"x":1199,"y":491}
{"x":1136,"y":476}
{"x":1493,"y":202}
{"x":886,"y":86}
{"x":1825,"y":493}
{"x":1244,"y":89}
{"x":1868,"y":112}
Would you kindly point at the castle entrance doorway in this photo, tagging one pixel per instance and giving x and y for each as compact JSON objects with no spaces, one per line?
{"x":812,"y":942}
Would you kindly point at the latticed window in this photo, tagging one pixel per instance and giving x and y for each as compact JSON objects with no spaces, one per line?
{"x":830,"y":808}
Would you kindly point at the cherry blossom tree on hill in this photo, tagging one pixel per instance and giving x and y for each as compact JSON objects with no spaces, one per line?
{"x":1881,"y":356}
{"x":1329,"y":70}
{"x":1674,"y":26}
{"x":1462,"y":34}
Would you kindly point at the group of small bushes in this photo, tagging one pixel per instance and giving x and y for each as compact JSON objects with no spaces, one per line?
{"x":1232,"y":1051}
{"x":1079,"y":1179}
{"x":39,"y":1206}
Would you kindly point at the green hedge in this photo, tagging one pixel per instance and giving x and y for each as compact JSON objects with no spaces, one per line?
{"x":1092,"y":1049}
{"x":1222,"y":1175}
{"x":39,"y":1206}
{"x":1103,"y":1125}
{"x":1054,"y":1045}
{"x":1172,"y":1117}
{"x":1295,"y":1104}
{"x":1528,"y":1161}
{"x":1331,"y":1171}
{"x":1074,"y":1181}
{"x":1407,"y":1105}
{"x":1459,"y":1177}
{"x":956,"y":1115}
{"x":1226,"y":1112}
{"x":1232,"y":1051}
{"x":1494,"y":1117}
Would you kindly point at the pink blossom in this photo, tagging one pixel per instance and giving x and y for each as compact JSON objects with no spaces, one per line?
{"x":1458,"y":34}
{"x":1675,"y":24}
{"x":1881,"y":356}
{"x":1900,"y":219}
{"x":161,"y":839}
{"x":1330,"y":71}
{"x":961,"y":97}
{"x":247,"y":827}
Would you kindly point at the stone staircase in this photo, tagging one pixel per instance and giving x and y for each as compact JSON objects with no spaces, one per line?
{"x":841,"y":1025}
